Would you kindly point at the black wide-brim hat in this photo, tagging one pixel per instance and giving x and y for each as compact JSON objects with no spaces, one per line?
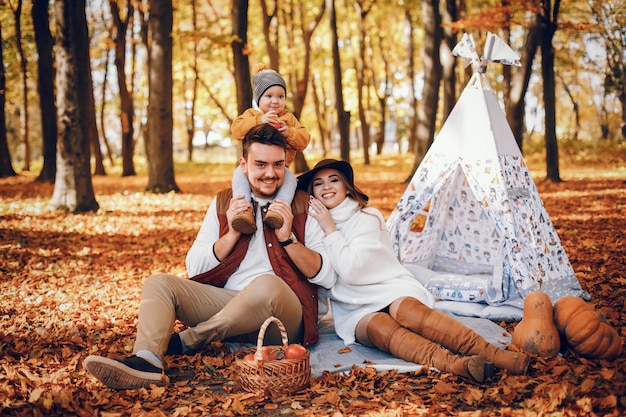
{"x":304,"y":180}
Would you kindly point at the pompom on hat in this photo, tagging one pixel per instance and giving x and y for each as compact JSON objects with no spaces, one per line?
{"x":305,"y":180}
{"x":264,"y":79}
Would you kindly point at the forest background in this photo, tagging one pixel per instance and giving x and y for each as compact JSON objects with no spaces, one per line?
{"x":363,"y":76}
{"x":372,"y":81}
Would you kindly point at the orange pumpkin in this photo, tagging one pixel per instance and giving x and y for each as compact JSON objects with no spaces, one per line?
{"x":536,"y":332}
{"x":585,"y":329}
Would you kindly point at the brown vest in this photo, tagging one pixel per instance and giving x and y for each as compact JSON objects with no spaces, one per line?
{"x":281,"y":263}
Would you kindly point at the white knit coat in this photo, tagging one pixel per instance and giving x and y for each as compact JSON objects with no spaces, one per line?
{"x":369,"y":276}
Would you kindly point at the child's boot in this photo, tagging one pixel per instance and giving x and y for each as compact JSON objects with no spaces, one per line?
{"x":244,"y":222}
{"x":272,"y":219}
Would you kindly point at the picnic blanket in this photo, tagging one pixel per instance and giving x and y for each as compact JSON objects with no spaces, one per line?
{"x":326,"y":356}
{"x":329,"y":354}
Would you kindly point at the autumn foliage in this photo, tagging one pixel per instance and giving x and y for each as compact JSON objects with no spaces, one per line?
{"x":71,"y":286}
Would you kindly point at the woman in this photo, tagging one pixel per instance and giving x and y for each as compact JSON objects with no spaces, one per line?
{"x":375,"y":300}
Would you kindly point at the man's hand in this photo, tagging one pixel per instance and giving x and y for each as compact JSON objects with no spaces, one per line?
{"x":238,"y":204}
{"x":225,"y":244}
{"x":284,"y":209}
{"x":308,"y":262}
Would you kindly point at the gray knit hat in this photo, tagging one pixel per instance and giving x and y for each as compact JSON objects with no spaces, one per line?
{"x":265,"y":79}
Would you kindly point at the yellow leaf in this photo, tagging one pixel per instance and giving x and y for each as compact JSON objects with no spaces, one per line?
{"x":34,"y":396}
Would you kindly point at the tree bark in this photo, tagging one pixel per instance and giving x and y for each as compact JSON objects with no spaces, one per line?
{"x":382,"y":97}
{"x":160,"y":120}
{"x":239,"y":20}
{"x":127,"y":111}
{"x":320,"y":112}
{"x":191,"y":113}
{"x":24,"y":119}
{"x":343,"y":117}
{"x":547,"y":70}
{"x":270,"y":34}
{"x":447,"y":60}
{"x":609,"y":18}
{"x":89,"y":104}
{"x":73,"y":190}
{"x":45,"y":87}
{"x":6,"y":167}
{"x":427,"y":109}
{"x":411,"y":75}
{"x":506,"y":36}
{"x":361,"y":68}
{"x":302,"y":83}
{"x":516,"y":102}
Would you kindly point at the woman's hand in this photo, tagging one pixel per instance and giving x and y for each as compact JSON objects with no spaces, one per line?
{"x":319,"y":212}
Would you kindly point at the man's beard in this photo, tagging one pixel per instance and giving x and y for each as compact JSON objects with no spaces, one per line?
{"x":258,"y":190}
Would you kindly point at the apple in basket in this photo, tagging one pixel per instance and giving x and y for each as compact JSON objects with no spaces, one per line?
{"x":249,"y":357}
{"x":267,"y":355}
{"x":295,"y":351}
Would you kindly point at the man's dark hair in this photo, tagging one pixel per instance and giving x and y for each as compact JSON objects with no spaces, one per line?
{"x":265,"y":134}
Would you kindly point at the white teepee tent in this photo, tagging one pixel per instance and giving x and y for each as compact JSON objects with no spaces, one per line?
{"x":472,"y":213}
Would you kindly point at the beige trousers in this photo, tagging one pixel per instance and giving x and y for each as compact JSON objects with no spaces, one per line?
{"x":214,"y":313}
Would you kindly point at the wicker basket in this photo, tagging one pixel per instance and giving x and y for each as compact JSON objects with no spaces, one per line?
{"x":283,"y":376}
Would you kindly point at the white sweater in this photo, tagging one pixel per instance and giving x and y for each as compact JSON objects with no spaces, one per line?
{"x":369,"y":276}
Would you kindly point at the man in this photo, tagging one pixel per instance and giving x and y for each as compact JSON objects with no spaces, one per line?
{"x":237,"y":281}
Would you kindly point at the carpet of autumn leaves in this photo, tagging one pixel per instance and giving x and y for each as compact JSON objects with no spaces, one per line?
{"x":71,"y":285}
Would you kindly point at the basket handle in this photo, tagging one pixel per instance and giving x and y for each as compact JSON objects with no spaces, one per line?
{"x":259,"y":342}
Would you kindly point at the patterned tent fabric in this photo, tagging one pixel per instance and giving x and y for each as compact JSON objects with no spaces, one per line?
{"x":473,"y":214}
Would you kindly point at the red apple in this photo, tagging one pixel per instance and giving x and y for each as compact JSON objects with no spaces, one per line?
{"x":295,"y":351}
{"x":268,"y":354}
{"x":249,"y":357}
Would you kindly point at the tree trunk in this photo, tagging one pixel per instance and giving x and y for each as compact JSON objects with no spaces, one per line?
{"x":343,"y":117}
{"x":127,"y":111}
{"x":239,"y":20}
{"x":447,"y":60}
{"x":160,"y":121}
{"x":382,"y":97}
{"x":45,"y":88}
{"x":90,"y":115}
{"x":191,"y":124}
{"x":6,"y":168}
{"x":271,"y":45}
{"x":320,"y":112}
{"x":302,"y":83}
{"x":24,"y":119}
{"x":506,"y":35}
{"x":547,"y":71}
{"x":575,"y":109}
{"x":427,"y":109}
{"x":608,"y":23}
{"x":516,"y":103}
{"x":73,"y":190}
{"x":411,"y":75}
{"x":103,"y":102}
{"x":361,"y":69}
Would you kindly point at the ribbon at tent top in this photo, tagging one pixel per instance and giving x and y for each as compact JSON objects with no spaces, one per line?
{"x":496,"y":50}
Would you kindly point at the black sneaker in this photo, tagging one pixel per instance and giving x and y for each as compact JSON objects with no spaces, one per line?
{"x":175,"y":345}
{"x":129,"y":373}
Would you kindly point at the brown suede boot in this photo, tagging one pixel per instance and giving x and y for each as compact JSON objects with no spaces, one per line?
{"x":445,"y":330}
{"x":273,"y":219}
{"x":387,"y":335}
{"x":244,"y":222}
